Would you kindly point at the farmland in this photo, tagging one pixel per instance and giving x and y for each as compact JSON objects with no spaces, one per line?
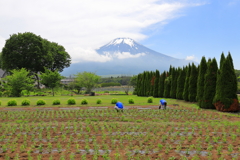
{"x":182,"y":131}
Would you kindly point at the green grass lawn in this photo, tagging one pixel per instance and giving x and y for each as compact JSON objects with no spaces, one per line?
{"x":106,"y":100}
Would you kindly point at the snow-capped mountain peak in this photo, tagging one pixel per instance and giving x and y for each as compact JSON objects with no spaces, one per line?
{"x":120,"y":45}
{"x":117,"y":41}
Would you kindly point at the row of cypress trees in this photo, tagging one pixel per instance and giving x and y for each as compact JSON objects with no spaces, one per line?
{"x":210,"y":86}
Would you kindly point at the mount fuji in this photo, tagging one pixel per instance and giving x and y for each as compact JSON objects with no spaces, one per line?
{"x":126,"y":57}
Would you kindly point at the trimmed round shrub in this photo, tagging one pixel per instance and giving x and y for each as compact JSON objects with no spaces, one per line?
{"x":26,"y":102}
{"x":150,"y":100}
{"x":41,"y":102}
{"x":113,"y":101}
{"x":12,"y":103}
{"x":131,"y":101}
{"x":56,"y":102}
{"x":99,"y":101}
{"x":71,"y":101}
{"x":84,"y":101}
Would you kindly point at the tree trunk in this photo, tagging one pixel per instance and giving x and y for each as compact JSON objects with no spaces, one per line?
{"x":53,"y":92}
{"x":37,"y":78}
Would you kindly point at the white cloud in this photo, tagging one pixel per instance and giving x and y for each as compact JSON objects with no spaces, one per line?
{"x":124,"y":55}
{"x":192,"y":58}
{"x":88,"y":55}
{"x":84,"y":25}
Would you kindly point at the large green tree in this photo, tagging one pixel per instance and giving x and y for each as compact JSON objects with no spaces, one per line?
{"x":51,"y":79}
{"x":27,"y":50}
{"x":133,"y":81}
{"x":88,"y":80}
{"x":200,"y":80}
{"x":74,"y":86}
{"x":0,"y":59}
{"x":59,"y":58}
{"x":18,"y":81}
{"x":210,"y":81}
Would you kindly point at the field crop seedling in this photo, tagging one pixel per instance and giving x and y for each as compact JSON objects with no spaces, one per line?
{"x":140,"y":132}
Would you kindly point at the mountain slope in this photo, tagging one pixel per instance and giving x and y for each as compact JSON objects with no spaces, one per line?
{"x":127,"y":45}
{"x":127,"y":57}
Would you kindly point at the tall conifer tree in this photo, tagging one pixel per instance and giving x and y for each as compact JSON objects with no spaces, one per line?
{"x":186,"y":84}
{"x":200,"y":80}
{"x":152,"y":82}
{"x":141,"y":85}
{"x":173,"y":83}
{"x":167,"y":84}
{"x":147,"y":86}
{"x":167,"y":87}
{"x":193,"y":84}
{"x":170,"y":77}
{"x":210,"y":81}
{"x":226,"y":98}
{"x":161,"y":84}
{"x":180,"y":83}
{"x":144,"y":84}
{"x":230,"y":59}
{"x":156,"y":84}
{"x":138,"y":85}
{"x":222,"y":60}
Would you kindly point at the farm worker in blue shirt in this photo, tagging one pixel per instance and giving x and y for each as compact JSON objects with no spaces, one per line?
{"x":163,"y":104}
{"x":119,"y":106}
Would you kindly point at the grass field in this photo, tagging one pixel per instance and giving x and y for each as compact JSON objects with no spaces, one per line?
{"x":74,"y":132}
{"x":106,"y":100}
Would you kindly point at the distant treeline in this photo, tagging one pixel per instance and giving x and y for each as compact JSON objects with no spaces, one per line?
{"x":110,"y":84}
{"x":237,"y":72}
{"x":115,"y":81}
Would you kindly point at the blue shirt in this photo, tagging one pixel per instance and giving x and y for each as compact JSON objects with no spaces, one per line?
{"x":162,"y":101}
{"x":119,"y":105}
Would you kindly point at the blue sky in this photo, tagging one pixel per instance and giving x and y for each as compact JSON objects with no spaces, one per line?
{"x":206,"y":30}
{"x":185,"y":29}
